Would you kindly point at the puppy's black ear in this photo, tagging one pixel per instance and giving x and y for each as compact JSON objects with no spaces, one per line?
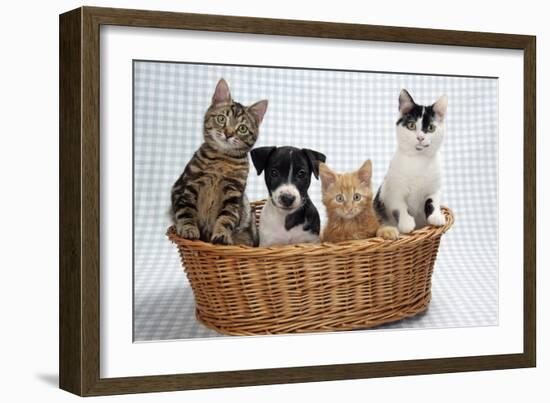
{"x":260,"y":156}
{"x":314,"y":157}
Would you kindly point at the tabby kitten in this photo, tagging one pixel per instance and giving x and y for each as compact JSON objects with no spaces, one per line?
{"x":208,"y":200}
{"x":348,"y":201}
{"x":410,"y":194}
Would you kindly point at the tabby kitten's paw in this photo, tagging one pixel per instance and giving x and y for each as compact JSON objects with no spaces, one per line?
{"x":388,"y":232}
{"x":187,"y":231}
{"x":436,"y":218}
{"x":406,"y":224}
{"x":222,"y":236}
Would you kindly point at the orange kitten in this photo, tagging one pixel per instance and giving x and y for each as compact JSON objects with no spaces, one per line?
{"x":348,"y":200}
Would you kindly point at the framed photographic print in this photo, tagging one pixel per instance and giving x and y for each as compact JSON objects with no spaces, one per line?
{"x":249,"y":201}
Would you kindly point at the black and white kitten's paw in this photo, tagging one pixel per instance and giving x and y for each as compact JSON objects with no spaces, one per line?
{"x":188,"y":231}
{"x":222,"y":236}
{"x":406,"y":224}
{"x":436,"y":218}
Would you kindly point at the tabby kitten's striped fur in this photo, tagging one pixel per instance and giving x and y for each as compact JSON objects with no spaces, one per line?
{"x":208,"y":199}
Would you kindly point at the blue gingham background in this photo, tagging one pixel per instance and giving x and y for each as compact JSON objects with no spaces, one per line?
{"x":349,"y":116}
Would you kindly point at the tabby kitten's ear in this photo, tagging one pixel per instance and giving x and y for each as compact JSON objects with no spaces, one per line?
{"x":365,"y":173}
{"x":328,"y":177}
{"x":406,"y":102}
{"x":314,"y":158}
{"x":258,"y":110}
{"x":440,"y":107}
{"x":260,"y":156}
{"x":221,"y":94}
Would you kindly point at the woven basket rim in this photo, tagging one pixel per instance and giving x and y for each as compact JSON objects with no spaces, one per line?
{"x":372,"y":244}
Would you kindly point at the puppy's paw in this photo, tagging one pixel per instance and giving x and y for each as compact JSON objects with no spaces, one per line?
{"x":222,"y":236}
{"x":388,"y":232}
{"x":187,"y":231}
{"x":406,"y":224}
{"x":436,"y":218}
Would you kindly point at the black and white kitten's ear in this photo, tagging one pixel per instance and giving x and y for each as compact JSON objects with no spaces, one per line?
{"x":406,"y":102}
{"x":260,"y":156}
{"x":222,"y":95}
{"x":258,"y":110}
{"x":314,"y":157}
{"x":328,"y":177}
{"x":365,"y":172}
{"x":440,"y":107}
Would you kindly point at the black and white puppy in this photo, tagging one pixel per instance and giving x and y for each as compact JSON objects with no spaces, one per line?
{"x":289,"y":215}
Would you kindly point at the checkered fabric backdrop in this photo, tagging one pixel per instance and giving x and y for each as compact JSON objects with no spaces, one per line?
{"x":349,"y":116}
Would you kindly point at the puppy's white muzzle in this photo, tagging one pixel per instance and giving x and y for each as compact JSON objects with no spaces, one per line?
{"x":286,"y":197}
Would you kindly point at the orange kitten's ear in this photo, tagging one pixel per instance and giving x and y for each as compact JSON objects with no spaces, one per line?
{"x":328,"y":177}
{"x":365,"y":172}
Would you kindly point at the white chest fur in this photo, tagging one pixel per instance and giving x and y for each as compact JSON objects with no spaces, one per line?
{"x":412,"y":179}
{"x":273,"y":231}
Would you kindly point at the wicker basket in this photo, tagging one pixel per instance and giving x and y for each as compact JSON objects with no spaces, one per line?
{"x":240,"y":290}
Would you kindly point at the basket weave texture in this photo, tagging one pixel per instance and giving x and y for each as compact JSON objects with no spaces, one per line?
{"x":241,"y":290}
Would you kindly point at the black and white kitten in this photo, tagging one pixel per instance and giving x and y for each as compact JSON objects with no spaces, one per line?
{"x":409,"y":197}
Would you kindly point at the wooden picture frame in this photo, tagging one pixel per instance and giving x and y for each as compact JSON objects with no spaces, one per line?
{"x":79,"y":279}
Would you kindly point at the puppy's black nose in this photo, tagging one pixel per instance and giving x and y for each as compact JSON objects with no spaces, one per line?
{"x":287,"y":200}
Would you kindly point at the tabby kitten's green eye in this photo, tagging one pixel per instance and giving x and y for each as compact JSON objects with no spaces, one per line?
{"x":411,"y":125}
{"x":339,"y":198}
{"x":221,"y":119}
{"x":431,"y":128}
{"x":356,"y":197}
{"x":242,"y":129}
